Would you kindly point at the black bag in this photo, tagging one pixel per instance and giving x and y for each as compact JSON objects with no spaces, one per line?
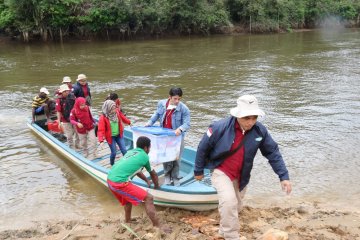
{"x":69,"y":104}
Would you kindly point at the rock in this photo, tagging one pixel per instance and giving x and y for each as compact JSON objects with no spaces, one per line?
{"x":274,"y":234}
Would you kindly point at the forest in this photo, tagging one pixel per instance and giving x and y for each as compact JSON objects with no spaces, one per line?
{"x":56,"y":20}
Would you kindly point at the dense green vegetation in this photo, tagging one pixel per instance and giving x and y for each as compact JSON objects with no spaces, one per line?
{"x":56,"y":19}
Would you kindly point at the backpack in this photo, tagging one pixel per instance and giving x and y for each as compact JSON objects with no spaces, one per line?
{"x":69,"y":104}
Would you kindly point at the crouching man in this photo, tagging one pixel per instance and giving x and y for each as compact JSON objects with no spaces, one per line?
{"x":128,"y":194}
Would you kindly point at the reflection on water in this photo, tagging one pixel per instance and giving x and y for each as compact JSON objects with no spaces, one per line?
{"x":307,"y":83}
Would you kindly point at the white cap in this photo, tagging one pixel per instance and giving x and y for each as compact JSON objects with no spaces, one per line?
{"x":81,"y":76}
{"x":44,"y":90}
{"x":63,"y":88}
{"x":66,"y":79}
{"x":247,"y":105}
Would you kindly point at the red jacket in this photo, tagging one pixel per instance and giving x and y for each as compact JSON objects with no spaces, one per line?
{"x":104,"y":128}
{"x":85,"y":118}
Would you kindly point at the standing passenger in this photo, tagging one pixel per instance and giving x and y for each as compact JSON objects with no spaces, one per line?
{"x":66,"y":80}
{"x":81,"y":117}
{"x":172,"y":114}
{"x":111,"y":128}
{"x":116,"y":99}
{"x":64,"y":105}
{"x":81,"y":88}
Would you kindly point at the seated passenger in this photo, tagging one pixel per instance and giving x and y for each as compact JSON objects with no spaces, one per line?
{"x":42,"y":104}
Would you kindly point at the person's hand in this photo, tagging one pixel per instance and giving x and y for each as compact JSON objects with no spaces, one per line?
{"x":101,"y":146}
{"x":79,"y":125}
{"x":286,"y":186}
{"x":199,"y":178}
{"x":59,"y":125}
{"x":178,"y":132}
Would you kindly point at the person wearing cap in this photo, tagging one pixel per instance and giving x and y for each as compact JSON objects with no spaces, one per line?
{"x":64,"y":104}
{"x":172,"y":114}
{"x":81,"y":88}
{"x":228,"y":148}
{"x":42,"y":104}
{"x":66,"y":80}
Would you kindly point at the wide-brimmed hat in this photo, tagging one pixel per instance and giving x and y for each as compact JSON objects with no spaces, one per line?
{"x":81,"y":77}
{"x":63,"y":88}
{"x":247,"y":105}
{"x":66,"y":79}
{"x":44,"y":90}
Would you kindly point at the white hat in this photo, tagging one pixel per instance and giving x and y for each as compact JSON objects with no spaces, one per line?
{"x":63,"y":88}
{"x":247,"y":105}
{"x":81,"y":76}
{"x":44,"y":90}
{"x":66,"y":79}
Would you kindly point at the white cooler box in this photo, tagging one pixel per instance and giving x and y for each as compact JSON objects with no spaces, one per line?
{"x":165,"y":145}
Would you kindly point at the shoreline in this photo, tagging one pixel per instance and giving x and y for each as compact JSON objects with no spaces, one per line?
{"x":300,"y":220}
{"x":236,"y":30}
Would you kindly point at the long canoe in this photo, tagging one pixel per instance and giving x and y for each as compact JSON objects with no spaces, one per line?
{"x":191,"y":194}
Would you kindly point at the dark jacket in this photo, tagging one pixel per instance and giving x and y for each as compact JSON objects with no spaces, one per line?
{"x":78,"y":92}
{"x":219,"y":139}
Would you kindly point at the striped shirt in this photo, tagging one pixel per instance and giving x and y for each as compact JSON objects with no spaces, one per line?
{"x":38,"y":101}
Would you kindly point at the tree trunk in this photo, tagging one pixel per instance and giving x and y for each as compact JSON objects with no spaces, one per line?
{"x":51,"y":34}
{"x":250,"y":23}
{"x":26,"y":36}
{"x":61,"y":35}
{"x":44,"y":34}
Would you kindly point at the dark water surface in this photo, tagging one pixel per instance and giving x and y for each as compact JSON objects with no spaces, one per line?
{"x":307,"y":83}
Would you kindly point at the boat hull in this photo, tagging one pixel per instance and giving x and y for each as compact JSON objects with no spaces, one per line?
{"x":191,"y":195}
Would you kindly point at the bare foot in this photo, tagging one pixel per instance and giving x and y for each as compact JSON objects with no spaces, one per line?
{"x":166,"y":229}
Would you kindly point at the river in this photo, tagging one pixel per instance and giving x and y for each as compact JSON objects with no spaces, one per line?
{"x":308,"y":83}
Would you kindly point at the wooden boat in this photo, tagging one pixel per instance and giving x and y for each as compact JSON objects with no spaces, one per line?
{"x":191,"y":194}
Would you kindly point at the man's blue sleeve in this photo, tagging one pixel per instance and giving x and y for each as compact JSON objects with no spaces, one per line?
{"x":202,"y":153}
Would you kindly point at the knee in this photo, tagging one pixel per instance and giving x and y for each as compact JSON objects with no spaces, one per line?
{"x":228,"y":203}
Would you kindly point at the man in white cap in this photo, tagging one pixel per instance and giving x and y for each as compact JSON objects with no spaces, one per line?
{"x":228,"y":148}
{"x":42,"y":104}
{"x":64,"y":104}
{"x":81,"y":88}
{"x":66,"y":80}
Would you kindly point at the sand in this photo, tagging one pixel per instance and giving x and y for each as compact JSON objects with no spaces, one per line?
{"x":300,"y":222}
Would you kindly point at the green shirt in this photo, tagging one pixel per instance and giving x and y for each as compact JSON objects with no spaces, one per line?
{"x":129,"y":165}
{"x":114,"y":128}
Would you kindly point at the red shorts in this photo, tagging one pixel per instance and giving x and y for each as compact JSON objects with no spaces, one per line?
{"x":126,"y":192}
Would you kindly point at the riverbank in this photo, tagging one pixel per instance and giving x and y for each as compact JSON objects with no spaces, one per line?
{"x":301,"y":221}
